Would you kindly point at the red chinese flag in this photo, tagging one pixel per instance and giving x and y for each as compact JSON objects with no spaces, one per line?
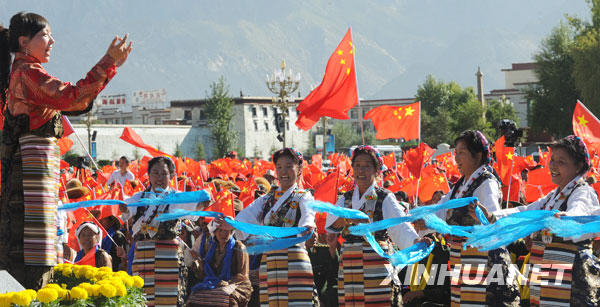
{"x":430,"y":184}
{"x":395,"y":122}
{"x":585,"y":124}
{"x":390,"y":161}
{"x":134,"y":139}
{"x":515,"y":188}
{"x":327,"y":189}
{"x":67,"y":128}
{"x":223,"y":203}
{"x":505,"y":159}
{"x":317,"y":161}
{"x":64,"y":144}
{"x":337,"y":93}
{"x":416,"y":157}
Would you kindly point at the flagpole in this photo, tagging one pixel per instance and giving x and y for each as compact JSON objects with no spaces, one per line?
{"x":360,"y":115}
{"x":80,"y":142}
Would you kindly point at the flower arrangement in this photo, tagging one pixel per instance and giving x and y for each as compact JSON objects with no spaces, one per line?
{"x":81,"y":286}
{"x":371,"y":197}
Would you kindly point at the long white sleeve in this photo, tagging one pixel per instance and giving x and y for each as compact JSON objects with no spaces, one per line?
{"x":403,"y":235}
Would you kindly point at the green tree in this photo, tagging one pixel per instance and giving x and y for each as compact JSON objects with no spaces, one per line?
{"x":585,"y":51}
{"x":495,"y":112}
{"x":200,"y":154}
{"x":345,"y":135}
{"x":178,"y":153}
{"x":447,"y":109}
{"x":219,"y":111}
{"x":554,"y":100}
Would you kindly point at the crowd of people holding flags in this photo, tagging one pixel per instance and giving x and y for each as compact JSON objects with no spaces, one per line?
{"x":235,"y":232}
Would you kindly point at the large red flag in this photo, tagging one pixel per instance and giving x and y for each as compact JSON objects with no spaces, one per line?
{"x":395,"y":122}
{"x":337,"y":93}
{"x":585,"y":124}
{"x":134,"y":139}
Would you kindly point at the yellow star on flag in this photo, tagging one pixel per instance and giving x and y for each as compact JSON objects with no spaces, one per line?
{"x":340,"y":52}
{"x":441,"y":179}
{"x":343,"y":62}
{"x":409,"y":111}
{"x":347,"y":71}
{"x":582,"y":120}
{"x":509,"y":156}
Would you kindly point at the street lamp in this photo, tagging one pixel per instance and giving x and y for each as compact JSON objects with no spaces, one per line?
{"x":282,"y":84}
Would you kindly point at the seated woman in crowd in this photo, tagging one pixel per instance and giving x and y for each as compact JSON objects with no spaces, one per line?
{"x":88,"y":236}
{"x":157,"y":241}
{"x":222,"y":266}
{"x":568,"y":165}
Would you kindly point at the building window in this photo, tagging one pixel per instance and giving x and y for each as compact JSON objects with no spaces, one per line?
{"x":255,"y":126}
{"x":253,"y":110}
{"x":187,"y":114}
{"x":202,"y":115}
{"x":287,"y":125}
{"x":266,"y":126}
{"x":265,"y":114}
{"x":353,"y":113}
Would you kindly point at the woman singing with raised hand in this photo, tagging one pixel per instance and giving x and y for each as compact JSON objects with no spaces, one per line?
{"x":31,"y":103}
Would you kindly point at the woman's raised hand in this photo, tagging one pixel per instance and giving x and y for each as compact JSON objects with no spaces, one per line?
{"x":119,"y":50}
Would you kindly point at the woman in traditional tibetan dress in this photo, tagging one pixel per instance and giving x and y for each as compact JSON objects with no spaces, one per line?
{"x":286,"y":275}
{"x":223,"y":270}
{"x":580,"y":284}
{"x":472,"y":155}
{"x":362,"y":270}
{"x":158,"y":254}
{"x":31,"y":102}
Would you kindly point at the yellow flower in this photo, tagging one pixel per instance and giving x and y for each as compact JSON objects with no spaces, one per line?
{"x":53,"y":286}
{"x":127,"y":281}
{"x":105,"y":269}
{"x":5,"y":299}
{"x":77,"y":271}
{"x":21,"y":299}
{"x":79,"y":293}
{"x":121,"y":290}
{"x":47,"y":295}
{"x":31,"y":293}
{"x":95,"y":290}
{"x":138,"y":282}
{"x":108,"y":290}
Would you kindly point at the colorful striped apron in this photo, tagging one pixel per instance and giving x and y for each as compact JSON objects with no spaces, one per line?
{"x":41,"y":164}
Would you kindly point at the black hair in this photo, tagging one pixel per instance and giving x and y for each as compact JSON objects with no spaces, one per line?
{"x":168,"y":162}
{"x":124,"y":158}
{"x":576,"y":150}
{"x":360,"y":151}
{"x":290,"y":153}
{"x":474,"y":144}
{"x":21,"y":24}
{"x":401,"y":196}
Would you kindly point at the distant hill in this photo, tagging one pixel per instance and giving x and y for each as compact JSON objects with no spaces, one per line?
{"x":185,"y":45}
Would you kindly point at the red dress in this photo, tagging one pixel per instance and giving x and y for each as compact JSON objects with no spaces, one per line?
{"x":30,"y":160}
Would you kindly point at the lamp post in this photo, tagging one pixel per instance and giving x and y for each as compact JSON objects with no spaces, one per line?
{"x":283,"y":83}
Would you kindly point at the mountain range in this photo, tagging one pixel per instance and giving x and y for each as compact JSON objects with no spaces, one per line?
{"x":183,"y":46}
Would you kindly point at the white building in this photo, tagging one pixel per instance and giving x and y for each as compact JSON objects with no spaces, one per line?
{"x":518,"y":80}
{"x":166,"y":138}
{"x":253,"y":121}
{"x":137,"y":108}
